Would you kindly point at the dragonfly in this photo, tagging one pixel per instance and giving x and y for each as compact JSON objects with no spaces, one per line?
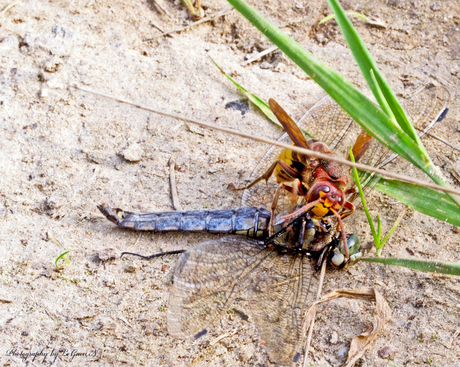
{"x":276,"y":271}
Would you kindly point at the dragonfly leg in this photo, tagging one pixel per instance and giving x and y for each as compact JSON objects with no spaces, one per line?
{"x":342,"y":230}
{"x":154,"y":255}
{"x":271,"y":227}
{"x":302,"y":233}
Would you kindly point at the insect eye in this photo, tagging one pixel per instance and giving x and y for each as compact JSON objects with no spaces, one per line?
{"x":326,"y":189}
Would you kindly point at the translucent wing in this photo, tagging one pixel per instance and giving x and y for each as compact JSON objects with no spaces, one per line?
{"x":206,"y":280}
{"x":278,"y":300}
{"x":423,"y":109}
{"x":210,"y":275}
{"x":426,"y":106}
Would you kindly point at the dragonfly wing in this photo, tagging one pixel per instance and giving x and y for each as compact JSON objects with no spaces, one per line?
{"x":278,"y":300}
{"x":423,"y":109}
{"x":207,"y":279}
{"x":326,"y":121}
{"x":426,"y":106}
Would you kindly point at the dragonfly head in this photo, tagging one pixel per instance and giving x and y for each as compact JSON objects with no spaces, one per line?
{"x":338,"y":258}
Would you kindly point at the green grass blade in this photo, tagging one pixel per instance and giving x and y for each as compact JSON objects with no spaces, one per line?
{"x":367,"y":65}
{"x":327,"y":18}
{"x":384,"y":104}
{"x":264,"y":107}
{"x":395,"y":225}
{"x":379,"y":245}
{"x":427,"y":266}
{"x":437,"y":176}
{"x":64,"y":257}
{"x":357,"y":105}
{"x":427,"y":201}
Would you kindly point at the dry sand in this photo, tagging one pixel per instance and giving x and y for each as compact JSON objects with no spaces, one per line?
{"x":62,"y":152}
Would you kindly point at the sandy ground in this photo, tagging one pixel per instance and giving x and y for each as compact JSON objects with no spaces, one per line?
{"x":63,"y":152}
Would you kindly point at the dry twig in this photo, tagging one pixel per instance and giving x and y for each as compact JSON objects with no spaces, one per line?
{"x":312,"y":323}
{"x":205,"y":19}
{"x":172,"y":182}
{"x":259,"y":55}
{"x":9,"y":6}
{"x":294,"y":148}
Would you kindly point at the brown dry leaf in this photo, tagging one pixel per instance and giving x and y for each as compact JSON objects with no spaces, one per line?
{"x":382,"y":315}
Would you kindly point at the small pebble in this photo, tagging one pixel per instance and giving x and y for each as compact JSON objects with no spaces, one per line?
{"x":435,"y":6}
{"x":11,"y":42}
{"x":62,"y":31}
{"x":320,"y":38}
{"x":343,"y":353}
{"x":334,"y":338}
{"x":265,"y":65}
{"x":240,"y":105}
{"x":134,"y":153}
{"x":128,"y":268}
{"x":385,"y":352}
{"x":106,"y":254}
{"x":95,"y":157}
{"x":53,"y":65}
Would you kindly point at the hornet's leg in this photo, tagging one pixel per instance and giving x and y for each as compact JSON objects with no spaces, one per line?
{"x":350,"y":209}
{"x":265,"y":177}
{"x":296,"y":190}
{"x":342,"y":230}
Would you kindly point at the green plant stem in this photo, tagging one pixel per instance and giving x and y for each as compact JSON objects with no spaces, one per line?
{"x":375,"y":235}
{"x":383,"y":102}
{"x":390,"y":232}
{"x":378,"y":244}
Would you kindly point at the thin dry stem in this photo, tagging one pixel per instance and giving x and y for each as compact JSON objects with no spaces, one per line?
{"x":443,"y":141}
{"x":308,"y":152}
{"x":158,"y":4}
{"x":259,"y":55}
{"x":172,"y":182}
{"x":310,"y":330}
{"x":205,"y":19}
{"x":9,"y":6}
